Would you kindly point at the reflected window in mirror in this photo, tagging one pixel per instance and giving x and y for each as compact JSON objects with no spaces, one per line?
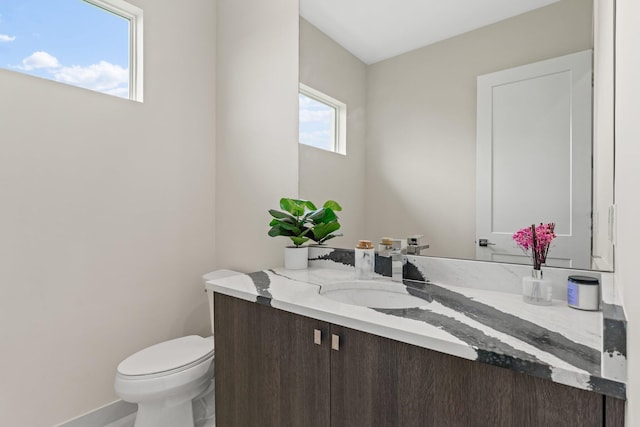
{"x":322,"y":120}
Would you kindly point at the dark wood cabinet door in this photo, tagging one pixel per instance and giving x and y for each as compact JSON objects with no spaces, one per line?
{"x":380,"y":382}
{"x":364,"y":380}
{"x":614,"y":412}
{"x":268,"y":371}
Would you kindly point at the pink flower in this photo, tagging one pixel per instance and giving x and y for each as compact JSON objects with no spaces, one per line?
{"x":538,"y":243}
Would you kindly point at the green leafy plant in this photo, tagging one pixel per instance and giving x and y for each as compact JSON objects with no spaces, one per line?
{"x":301,"y":221}
{"x":324,"y":222}
{"x":292,"y":220}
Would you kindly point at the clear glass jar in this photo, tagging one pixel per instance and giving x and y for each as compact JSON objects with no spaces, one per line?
{"x":536,"y":290}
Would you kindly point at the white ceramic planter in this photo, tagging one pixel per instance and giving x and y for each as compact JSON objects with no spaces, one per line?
{"x":296,"y":258}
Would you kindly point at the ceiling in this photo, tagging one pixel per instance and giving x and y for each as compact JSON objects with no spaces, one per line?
{"x":374,"y":30}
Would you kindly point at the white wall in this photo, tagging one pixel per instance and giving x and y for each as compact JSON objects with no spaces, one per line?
{"x":603,"y":133}
{"x":331,"y":69}
{"x":106,"y":219}
{"x":626,"y":193}
{"x":257,"y":103}
{"x":421,"y":124}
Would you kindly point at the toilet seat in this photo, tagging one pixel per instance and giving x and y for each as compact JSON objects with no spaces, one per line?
{"x":167,"y":358}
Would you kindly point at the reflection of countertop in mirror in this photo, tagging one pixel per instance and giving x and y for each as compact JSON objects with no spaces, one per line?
{"x":553,"y":342}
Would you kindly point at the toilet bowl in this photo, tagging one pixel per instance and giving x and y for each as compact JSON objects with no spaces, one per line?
{"x":164,"y":379}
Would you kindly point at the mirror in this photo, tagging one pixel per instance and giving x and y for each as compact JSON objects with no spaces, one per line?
{"x":412,"y":118}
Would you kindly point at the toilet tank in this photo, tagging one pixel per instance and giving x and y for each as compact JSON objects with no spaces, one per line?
{"x":217,"y":274}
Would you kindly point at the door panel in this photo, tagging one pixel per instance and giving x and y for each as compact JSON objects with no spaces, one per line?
{"x":534,"y":158}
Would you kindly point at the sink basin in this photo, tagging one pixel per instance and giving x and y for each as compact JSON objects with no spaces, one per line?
{"x":371,"y":293}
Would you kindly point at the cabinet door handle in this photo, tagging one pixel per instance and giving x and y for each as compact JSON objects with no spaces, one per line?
{"x":317,"y":336}
{"x":335,"y":342}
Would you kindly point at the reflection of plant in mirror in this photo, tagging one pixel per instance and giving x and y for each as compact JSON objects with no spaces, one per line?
{"x":538,"y":239}
{"x":300,"y":220}
{"x":324,"y":222}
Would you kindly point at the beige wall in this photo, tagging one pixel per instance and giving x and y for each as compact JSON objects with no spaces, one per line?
{"x":257,"y":103}
{"x":421,"y":124}
{"x":627,"y":195}
{"x":106,"y":220}
{"x":329,"y":68}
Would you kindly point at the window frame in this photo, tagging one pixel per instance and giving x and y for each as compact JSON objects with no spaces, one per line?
{"x":339,"y":121}
{"x":134,"y":15}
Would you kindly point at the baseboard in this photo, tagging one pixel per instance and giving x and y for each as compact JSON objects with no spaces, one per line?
{"x":102,"y":416}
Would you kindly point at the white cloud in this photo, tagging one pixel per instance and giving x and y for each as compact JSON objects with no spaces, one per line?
{"x":39,"y":60}
{"x":102,"y":76}
{"x":315,"y":116}
{"x":6,"y":38}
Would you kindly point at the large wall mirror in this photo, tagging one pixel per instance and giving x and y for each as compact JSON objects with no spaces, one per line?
{"x":417,"y":116}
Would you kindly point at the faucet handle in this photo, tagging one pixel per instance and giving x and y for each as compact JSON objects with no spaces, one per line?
{"x":413,"y":245}
{"x":414,"y":240}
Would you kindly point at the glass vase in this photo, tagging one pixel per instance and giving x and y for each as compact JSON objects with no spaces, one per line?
{"x":536,"y":290}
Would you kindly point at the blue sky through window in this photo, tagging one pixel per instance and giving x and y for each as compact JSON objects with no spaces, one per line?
{"x":69,"y":41}
{"x":316,"y":127}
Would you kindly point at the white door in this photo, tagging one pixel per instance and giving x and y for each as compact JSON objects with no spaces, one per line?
{"x":533,"y":161}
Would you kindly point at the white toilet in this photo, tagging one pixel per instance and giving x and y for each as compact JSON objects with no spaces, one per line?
{"x":163,"y":379}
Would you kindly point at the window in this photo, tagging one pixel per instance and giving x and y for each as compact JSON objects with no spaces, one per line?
{"x":322,"y":121}
{"x":93,"y":44}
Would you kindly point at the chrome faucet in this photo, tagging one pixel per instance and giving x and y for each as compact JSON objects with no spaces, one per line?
{"x":413,"y":245}
{"x":392,"y":248}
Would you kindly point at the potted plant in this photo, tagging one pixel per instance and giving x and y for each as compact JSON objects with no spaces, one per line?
{"x":293,"y":222}
{"x":301,"y":221}
{"x":324,"y":222}
{"x":536,"y":240}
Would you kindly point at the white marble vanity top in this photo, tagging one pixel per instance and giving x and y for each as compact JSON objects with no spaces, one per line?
{"x":555,"y":342}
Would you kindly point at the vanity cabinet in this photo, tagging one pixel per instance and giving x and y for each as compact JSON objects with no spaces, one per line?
{"x":269,"y":372}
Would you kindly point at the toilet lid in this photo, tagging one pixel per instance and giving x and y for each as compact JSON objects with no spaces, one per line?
{"x":167,"y":356}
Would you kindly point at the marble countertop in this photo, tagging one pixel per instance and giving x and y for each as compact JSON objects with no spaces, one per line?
{"x":554,"y":342}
